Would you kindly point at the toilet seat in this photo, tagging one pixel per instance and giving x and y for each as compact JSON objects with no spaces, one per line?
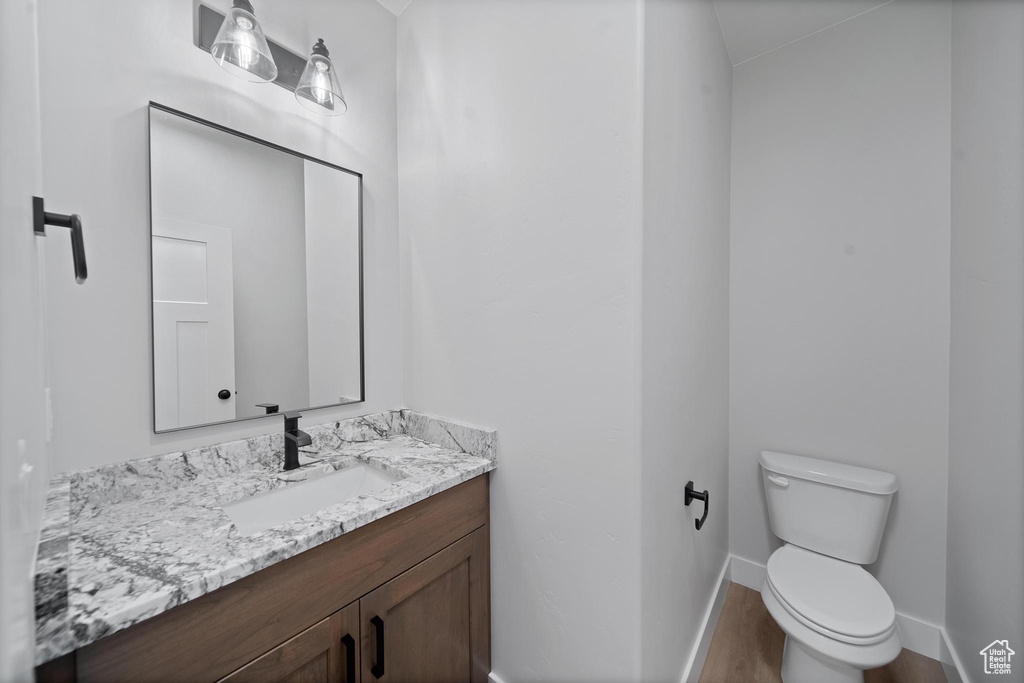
{"x":838,"y":599}
{"x":796,"y":576}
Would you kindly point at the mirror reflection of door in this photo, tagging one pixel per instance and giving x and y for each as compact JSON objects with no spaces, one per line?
{"x":193,"y":324}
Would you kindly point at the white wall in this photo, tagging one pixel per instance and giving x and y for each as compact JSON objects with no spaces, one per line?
{"x":839,"y":319}
{"x":95,"y":159}
{"x":985,"y":555}
{"x":24,"y":464}
{"x":519,"y":129}
{"x":687,"y":102}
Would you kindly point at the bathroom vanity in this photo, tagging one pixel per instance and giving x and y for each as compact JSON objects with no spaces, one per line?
{"x":351,"y":551}
{"x":145,"y":574}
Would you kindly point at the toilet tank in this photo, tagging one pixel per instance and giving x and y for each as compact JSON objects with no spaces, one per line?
{"x":831,"y":508}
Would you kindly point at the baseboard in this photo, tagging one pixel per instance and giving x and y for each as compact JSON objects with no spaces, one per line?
{"x":707,"y":630}
{"x":493,"y":678}
{"x":746,"y":572}
{"x":923,"y":637}
{"x":951,"y":663}
{"x":918,"y":635}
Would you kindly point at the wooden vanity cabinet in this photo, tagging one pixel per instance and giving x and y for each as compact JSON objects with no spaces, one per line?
{"x":324,"y":652}
{"x":427,"y":624}
{"x":420,"y":626}
{"x":401,"y":600}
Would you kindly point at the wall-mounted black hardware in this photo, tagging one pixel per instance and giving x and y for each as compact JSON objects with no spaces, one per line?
{"x":41,"y":218}
{"x":692,"y":495}
{"x":289,"y":64}
{"x":224,"y":394}
{"x":271,"y":408}
{"x":350,"y":658}
{"x":378,"y":626}
{"x":293,"y":439}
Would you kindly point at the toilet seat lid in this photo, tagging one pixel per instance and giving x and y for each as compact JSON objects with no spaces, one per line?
{"x":836,"y":595}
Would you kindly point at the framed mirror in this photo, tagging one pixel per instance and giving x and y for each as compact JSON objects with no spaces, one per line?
{"x":256,"y":262}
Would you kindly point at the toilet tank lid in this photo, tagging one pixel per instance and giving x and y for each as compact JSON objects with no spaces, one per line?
{"x":828,"y":472}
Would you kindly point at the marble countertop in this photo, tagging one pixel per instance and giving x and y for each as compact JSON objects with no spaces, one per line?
{"x":122,"y":543}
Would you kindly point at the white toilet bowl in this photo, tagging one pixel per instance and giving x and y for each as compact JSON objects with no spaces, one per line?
{"x":837,"y":618}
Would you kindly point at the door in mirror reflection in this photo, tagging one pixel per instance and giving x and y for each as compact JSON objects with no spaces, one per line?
{"x":193,"y":324}
{"x":256,"y":276}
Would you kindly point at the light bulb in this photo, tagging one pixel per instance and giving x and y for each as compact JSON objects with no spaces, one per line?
{"x":321,"y":86}
{"x":318,"y":88}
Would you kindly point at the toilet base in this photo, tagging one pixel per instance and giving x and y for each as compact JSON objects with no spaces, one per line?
{"x":800,"y":664}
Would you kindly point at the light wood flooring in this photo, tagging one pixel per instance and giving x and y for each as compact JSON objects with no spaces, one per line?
{"x":747,"y":648}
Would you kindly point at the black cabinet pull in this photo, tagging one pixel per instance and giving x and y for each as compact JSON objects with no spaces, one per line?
{"x":378,"y":668}
{"x":692,"y":495}
{"x":224,"y":394}
{"x":41,"y":218}
{"x":350,"y":658}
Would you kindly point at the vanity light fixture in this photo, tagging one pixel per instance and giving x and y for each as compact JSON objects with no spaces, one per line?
{"x":318,"y":89}
{"x":241,"y":48}
{"x":237,"y":43}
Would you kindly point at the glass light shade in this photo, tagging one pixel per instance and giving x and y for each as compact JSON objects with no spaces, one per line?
{"x":318,"y":89}
{"x":241,"y":48}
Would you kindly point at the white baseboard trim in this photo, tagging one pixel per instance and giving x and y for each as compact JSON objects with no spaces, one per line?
{"x":746,"y":572}
{"x":493,"y":678}
{"x":707,"y":630}
{"x":918,"y":635}
{"x":923,"y":637}
{"x":951,"y":663}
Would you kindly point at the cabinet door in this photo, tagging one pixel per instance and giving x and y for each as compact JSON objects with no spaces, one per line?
{"x":431,"y":624}
{"x":324,"y":653}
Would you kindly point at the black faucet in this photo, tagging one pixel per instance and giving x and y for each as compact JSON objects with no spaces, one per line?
{"x":293,"y":439}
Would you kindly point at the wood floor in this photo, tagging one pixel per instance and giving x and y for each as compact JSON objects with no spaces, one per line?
{"x":747,"y":648}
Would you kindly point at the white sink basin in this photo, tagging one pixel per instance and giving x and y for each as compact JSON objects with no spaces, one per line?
{"x":272,"y":508}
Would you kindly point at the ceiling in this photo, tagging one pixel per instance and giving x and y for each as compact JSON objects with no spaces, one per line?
{"x":754,"y":27}
{"x":395,"y":6}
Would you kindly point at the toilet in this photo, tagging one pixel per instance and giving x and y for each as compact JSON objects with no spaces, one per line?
{"x":837,"y":618}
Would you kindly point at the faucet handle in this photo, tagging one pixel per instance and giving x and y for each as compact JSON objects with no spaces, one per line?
{"x":291,"y":421}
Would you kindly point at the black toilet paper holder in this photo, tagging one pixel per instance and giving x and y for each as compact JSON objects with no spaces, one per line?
{"x":692,"y":495}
